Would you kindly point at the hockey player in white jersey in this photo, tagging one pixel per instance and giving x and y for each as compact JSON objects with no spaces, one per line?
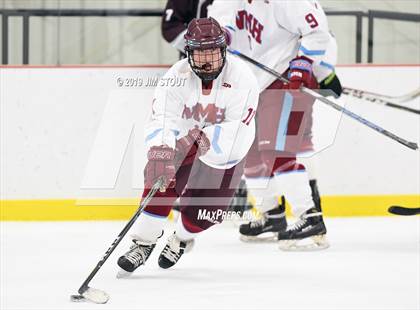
{"x":197,"y":138}
{"x":291,"y":37}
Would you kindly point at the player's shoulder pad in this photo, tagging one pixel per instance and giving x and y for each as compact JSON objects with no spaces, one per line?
{"x":291,"y":7}
{"x":180,"y":69}
{"x":178,"y":78}
{"x":240,"y":72}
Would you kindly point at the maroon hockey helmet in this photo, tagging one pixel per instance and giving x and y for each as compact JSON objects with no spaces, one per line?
{"x":206,"y":35}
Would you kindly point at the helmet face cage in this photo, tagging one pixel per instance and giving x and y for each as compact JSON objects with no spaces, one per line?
{"x":207,"y":64}
{"x":205,"y":46}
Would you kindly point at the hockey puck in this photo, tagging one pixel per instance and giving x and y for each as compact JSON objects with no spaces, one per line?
{"x":76,"y":298}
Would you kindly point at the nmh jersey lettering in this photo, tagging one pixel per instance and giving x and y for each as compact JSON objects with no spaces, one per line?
{"x":248,"y":21}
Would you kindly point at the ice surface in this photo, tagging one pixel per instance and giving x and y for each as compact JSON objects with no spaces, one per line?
{"x":373,"y":263}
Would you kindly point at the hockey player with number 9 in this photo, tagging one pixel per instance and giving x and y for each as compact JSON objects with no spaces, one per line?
{"x":293,"y":38}
{"x":197,"y":138}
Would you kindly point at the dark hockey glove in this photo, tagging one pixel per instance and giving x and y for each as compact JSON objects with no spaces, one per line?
{"x":161,"y":163}
{"x":195,"y":142}
{"x":332,"y":82}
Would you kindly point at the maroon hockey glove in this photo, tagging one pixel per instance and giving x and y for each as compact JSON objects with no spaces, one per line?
{"x":160,"y":164}
{"x":300,"y":72}
{"x":195,"y":142}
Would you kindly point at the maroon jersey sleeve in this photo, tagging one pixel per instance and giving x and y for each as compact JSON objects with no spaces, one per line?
{"x":178,"y":13}
{"x":176,"y":17}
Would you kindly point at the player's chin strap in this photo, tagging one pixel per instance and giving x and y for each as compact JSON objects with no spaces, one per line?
{"x":314,"y":94}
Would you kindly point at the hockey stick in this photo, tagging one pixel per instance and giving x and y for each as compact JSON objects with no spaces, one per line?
{"x":376,"y":98}
{"x":398,"y":210}
{"x":310,"y":92}
{"x":99,"y":296}
{"x":399,"y":99}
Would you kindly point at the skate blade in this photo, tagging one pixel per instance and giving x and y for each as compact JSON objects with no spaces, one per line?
{"x":314,"y":243}
{"x":122,"y":274}
{"x":264,"y":238}
{"x":189,"y":246}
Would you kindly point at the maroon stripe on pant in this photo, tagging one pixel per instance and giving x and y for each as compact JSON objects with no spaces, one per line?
{"x":199,"y":187}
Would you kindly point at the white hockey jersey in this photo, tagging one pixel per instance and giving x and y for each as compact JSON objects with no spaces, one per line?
{"x":274,"y":32}
{"x":226,"y":115}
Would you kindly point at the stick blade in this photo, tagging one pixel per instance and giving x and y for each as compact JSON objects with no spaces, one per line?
{"x":77,"y":298}
{"x":397,"y":210}
{"x":91,"y":294}
{"x":411,"y":96}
